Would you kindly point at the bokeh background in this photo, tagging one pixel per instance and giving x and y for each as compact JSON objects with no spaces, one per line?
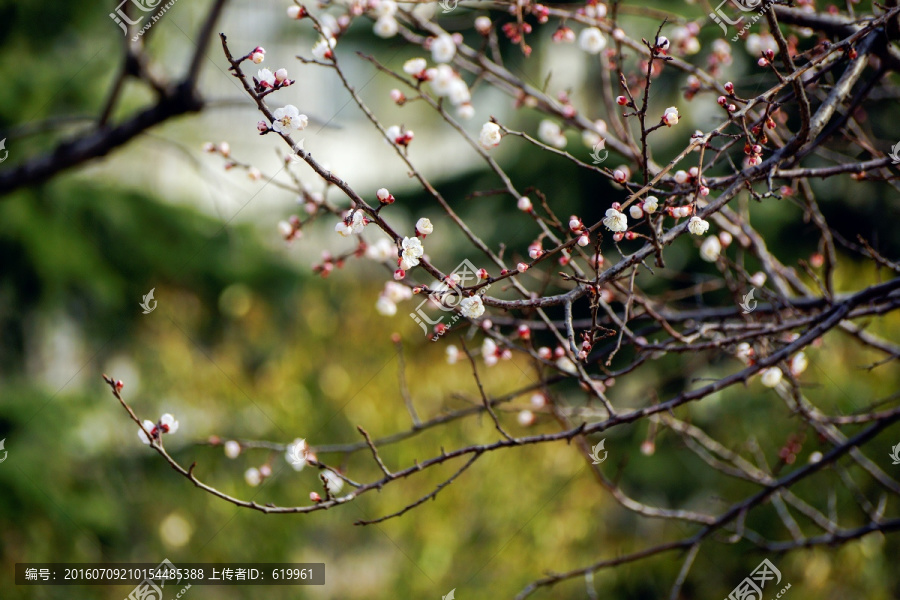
{"x":246,"y":342}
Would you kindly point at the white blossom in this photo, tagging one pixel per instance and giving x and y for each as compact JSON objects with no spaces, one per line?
{"x":452,"y":353}
{"x":396,"y":292}
{"x":266,"y":78}
{"x":472,"y":307}
{"x":550,"y":133}
{"x":490,"y":135}
{"x":591,"y":40}
{"x":798,"y":364}
{"x":424,"y":226}
{"x":443,"y":48}
{"x":333,"y":483}
{"x":150,"y":426}
{"x":386,"y":27}
{"x":615,"y":220}
{"x":253,"y":477}
{"x":289,"y":119}
{"x":385,"y":8}
{"x":698,"y":226}
{"x":710,"y":249}
{"x":670,"y":117}
{"x":296,"y":454}
{"x":323,"y":48}
{"x":381,"y":251}
{"x":771,"y":377}
{"x":650,"y":204}
{"x":414,"y":66}
{"x":411,"y":251}
{"x":385,"y":306}
{"x":232,"y":449}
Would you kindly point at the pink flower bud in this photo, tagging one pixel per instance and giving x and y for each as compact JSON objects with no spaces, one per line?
{"x":399,"y":274}
{"x":521,"y":267}
{"x":621,"y":100}
{"x":524,"y":204}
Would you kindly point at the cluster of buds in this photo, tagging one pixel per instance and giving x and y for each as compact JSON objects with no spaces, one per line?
{"x":222,"y":148}
{"x":492,"y":353}
{"x":564,"y":34}
{"x":753,"y":152}
{"x":723,"y":101}
{"x":767,"y":58}
{"x":578,"y":228}
{"x":254,"y":476}
{"x":399,"y":135}
{"x":516,"y":33}
{"x":586,"y":345}
{"x":680,"y":212}
{"x":788,"y":453}
{"x":166,"y":424}
{"x":719,"y":57}
{"x":541,"y":12}
{"x":290,"y":229}
{"x":327,"y":265}
{"x":266,"y":80}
